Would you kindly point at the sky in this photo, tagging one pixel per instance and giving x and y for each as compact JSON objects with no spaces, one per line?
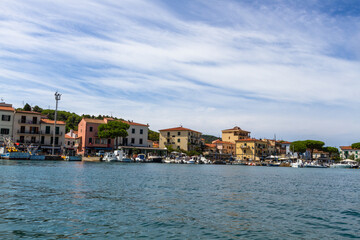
{"x":284,"y":68}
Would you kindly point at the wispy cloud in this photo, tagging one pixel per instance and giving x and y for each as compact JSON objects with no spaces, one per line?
{"x":269,"y":68}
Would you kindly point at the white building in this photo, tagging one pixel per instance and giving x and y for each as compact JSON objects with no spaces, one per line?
{"x":6,"y":121}
{"x":137,"y":135}
{"x":72,"y":142}
{"x":27,"y":127}
{"x":47,"y":135}
{"x":347,"y":151}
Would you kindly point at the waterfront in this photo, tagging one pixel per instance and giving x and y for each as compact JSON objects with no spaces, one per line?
{"x":163,"y":201}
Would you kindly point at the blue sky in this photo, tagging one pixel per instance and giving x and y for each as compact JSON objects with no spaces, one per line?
{"x":270,"y":67}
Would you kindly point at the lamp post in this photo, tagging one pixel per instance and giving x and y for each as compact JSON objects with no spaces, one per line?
{"x":57,"y":98}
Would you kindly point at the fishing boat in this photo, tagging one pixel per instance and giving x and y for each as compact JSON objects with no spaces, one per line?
{"x":347,"y":163}
{"x":110,"y":157}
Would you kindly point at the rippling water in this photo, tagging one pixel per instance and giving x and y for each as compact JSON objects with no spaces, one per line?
{"x":55,"y":200}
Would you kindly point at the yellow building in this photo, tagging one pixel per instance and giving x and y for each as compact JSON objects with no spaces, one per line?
{"x":234,"y":134}
{"x":251,"y":149}
{"x":224,"y":147}
{"x":180,"y":138}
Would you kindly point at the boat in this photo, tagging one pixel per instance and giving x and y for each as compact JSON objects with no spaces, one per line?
{"x":297,"y":164}
{"x":140,"y":158}
{"x":191,"y":161}
{"x":73,"y":158}
{"x":274,"y":164}
{"x":120,"y":157}
{"x":110,"y":157}
{"x":314,"y":164}
{"x":347,"y":163}
{"x":167,"y":160}
{"x":156,"y":159}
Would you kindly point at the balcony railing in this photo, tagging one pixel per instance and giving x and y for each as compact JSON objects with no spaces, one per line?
{"x":29,"y":122}
{"x":28,"y":132}
{"x":50,"y":133}
{"x":27,"y":141}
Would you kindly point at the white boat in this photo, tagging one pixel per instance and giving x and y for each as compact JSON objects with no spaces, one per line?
{"x":191,"y":161}
{"x":297,"y":164}
{"x":110,"y":157}
{"x":347,"y":163}
{"x":167,"y":160}
{"x":120,"y":156}
{"x":157,"y":159}
{"x":314,"y":164}
{"x":140,"y":158}
{"x":274,"y":164}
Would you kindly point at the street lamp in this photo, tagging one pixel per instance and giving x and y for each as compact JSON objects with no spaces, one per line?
{"x":57,"y":98}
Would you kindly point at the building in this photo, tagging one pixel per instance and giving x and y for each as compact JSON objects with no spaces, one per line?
{"x":234,"y":134}
{"x":47,"y":136}
{"x":90,"y":142}
{"x":72,"y":142}
{"x":251,"y":149}
{"x":26,"y":128}
{"x":137,"y":135}
{"x":6,"y":121}
{"x":224,"y":147}
{"x":347,"y":151}
{"x":180,"y":138}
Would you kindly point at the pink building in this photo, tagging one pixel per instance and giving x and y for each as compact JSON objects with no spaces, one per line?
{"x":88,"y":133}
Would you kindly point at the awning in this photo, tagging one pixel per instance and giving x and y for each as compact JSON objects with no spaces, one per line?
{"x":99,"y":148}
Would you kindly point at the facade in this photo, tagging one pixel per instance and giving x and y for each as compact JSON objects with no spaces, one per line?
{"x":71,"y":142}
{"x":223,"y":147}
{"x":90,"y":142}
{"x":180,"y":138}
{"x":347,"y":151}
{"x":251,"y":149}
{"x":6,"y":121}
{"x":137,"y":135}
{"x":47,"y":136}
{"x":234,"y":134}
{"x":27,"y":128}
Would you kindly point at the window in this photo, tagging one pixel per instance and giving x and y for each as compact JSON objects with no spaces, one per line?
{"x":103,"y":141}
{"x":141,"y":131}
{"x":178,"y":140}
{"x":42,"y":139}
{"x":5,"y":131}
{"x":56,"y":140}
{"x":23,"y":119}
{"x":132,"y":140}
{"x":57,"y":130}
{"x":6,"y":117}
{"x":168,"y":134}
{"x":140,"y":141}
{"x":168,"y":141}
{"x":90,"y":129}
{"x":133,"y":130}
{"x":179,"y":133}
{"x":97,"y":140}
{"x":68,"y":143}
{"x":33,"y":140}
{"x":90,"y":140}
{"x":34,"y":120}
{"x":47,"y":130}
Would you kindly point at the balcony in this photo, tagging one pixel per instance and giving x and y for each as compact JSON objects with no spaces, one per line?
{"x":28,"y":132}
{"x":244,"y":147}
{"x":29,"y":122}
{"x":27,"y":141}
{"x":50,"y":133}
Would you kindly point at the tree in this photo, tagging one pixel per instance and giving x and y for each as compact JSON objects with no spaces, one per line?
{"x":313,"y":144}
{"x":27,"y":107}
{"x":209,"y":138}
{"x":298,"y":146}
{"x":352,"y":157}
{"x":355,"y":145}
{"x":153,"y":136}
{"x":113,"y":129}
{"x":37,"y":109}
{"x":333,"y":151}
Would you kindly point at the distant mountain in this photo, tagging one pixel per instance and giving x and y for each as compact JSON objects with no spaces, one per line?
{"x":209,"y":138}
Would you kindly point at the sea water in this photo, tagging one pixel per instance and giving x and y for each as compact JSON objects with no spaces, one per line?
{"x":84,"y":200}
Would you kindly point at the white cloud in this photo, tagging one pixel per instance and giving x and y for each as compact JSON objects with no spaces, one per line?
{"x":267,"y":70}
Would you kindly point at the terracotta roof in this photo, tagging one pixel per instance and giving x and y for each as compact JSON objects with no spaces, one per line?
{"x":222,"y":142}
{"x":69,"y":137}
{"x":48,"y":121}
{"x":28,"y":112}
{"x":347,"y":148}
{"x":92,"y":120}
{"x":6,"y":108}
{"x":179,"y":129}
{"x":284,"y":142}
{"x":135,"y":124}
{"x":210,"y":145}
{"x":236,"y":128}
{"x":75,"y":132}
{"x":249,"y":140}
